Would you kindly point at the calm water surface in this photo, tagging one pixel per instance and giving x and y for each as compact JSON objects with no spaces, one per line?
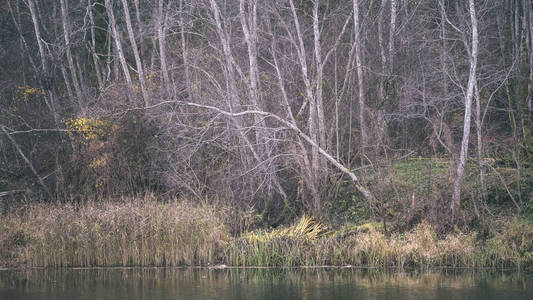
{"x":274,"y":284}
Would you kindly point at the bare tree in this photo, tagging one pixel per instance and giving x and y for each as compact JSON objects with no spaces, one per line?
{"x":96,"y":60}
{"x":118,"y":47}
{"x":360,"y":81}
{"x":161,"y":36}
{"x":136,"y":55}
{"x":456,"y":201}
{"x":44,"y":63}
{"x":73,"y":75}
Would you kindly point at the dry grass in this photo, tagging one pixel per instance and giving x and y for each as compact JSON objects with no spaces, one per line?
{"x":129,"y":233}
{"x":145,"y":232}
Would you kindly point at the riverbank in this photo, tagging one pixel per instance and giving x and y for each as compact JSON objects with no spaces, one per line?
{"x":179,"y":233}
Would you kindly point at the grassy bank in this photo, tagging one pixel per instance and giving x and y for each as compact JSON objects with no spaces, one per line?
{"x":151,"y":233}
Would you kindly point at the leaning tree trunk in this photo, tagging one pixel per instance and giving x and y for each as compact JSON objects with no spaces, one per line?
{"x":118,"y":48}
{"x":456,"y":200}
{"x":136,"y":55}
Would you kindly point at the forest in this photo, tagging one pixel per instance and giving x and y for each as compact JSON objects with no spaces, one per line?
{"x":399,"y":119}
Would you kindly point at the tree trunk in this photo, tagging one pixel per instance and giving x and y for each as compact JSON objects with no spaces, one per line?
{"x":309,"y":96}
{"x":456,"y":200}
{"x":249,"y":28}
{"x":162,"y":53}
{"x":479,"y":144}
{"x":96,"y":61}
{"x":118,"y":48}
{"x":136,"y":55}
{"x":321,"y":126}
{"x":139,"y":28}
{"x":300,"y":153}
{"x":184,"y":50}
{"x":44,"y":64}
{"x":530,"y":81}
{"x":233,"y":99}
{"x":73,"y":75}
{"x":360,"y":84}
{"x":392,"y":30}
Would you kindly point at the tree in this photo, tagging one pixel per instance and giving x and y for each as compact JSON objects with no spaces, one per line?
{"x":456,"y":200}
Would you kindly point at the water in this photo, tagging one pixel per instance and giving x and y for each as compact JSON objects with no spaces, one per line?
{"x":273,"y":284}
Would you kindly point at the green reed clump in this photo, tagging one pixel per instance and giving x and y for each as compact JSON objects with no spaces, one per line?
{"x":128,"y":233}
{"x":279,"y":247}
{"x":511,"y":245}
{"x":370,"y":247}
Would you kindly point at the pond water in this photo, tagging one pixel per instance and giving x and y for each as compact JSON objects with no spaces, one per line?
{"x":274,"y":284}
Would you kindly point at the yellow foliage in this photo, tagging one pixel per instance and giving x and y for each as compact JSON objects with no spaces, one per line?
{"x":27,"y":92}
{"x":88,"y":129}
{"x":98,"y":162}
{"x":23,"y":94}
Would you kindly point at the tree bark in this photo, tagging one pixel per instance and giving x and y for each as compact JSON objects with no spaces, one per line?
{"x":161,"y":34}
{"x":136,"y":55}
{"x":249,"y":28}
{"x":530,"y":81}
{"x":309,"y":96}
{"x":73,"y":75}
{"x":118,"y":48}
{"x":456,"y":200}
{"x":321,"y":126}
{"x":96,"y":61}
{"x":479,"y":144}
{"x":392,"y":30}
{"x":44,"y":63}
{"x":139,"y":27}
{"x":360,"y":83}
{"x":184,"y":49}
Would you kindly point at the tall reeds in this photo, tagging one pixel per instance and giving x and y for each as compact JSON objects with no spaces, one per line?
{"x":145,"y":232}
{"x":129,"y":233}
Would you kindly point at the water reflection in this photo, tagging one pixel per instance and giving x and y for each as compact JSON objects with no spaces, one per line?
{"x":294,"y":283}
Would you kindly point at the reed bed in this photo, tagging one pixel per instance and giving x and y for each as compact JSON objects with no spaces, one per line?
{"x":129,"y":233}
{"x":178,"y":233}
{"x":510,"y":247}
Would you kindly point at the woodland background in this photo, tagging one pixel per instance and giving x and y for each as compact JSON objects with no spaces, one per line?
{"x":398,"y":111}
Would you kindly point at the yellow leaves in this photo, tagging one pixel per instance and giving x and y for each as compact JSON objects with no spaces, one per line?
{"x":89,"y":129}
{"x":24,"y":95}
{"x":98,"y":162}
{"x":264,"y":76}
{"x":151,"y":76}
{"x":151,"y":81}
{"x":27,"y":92}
